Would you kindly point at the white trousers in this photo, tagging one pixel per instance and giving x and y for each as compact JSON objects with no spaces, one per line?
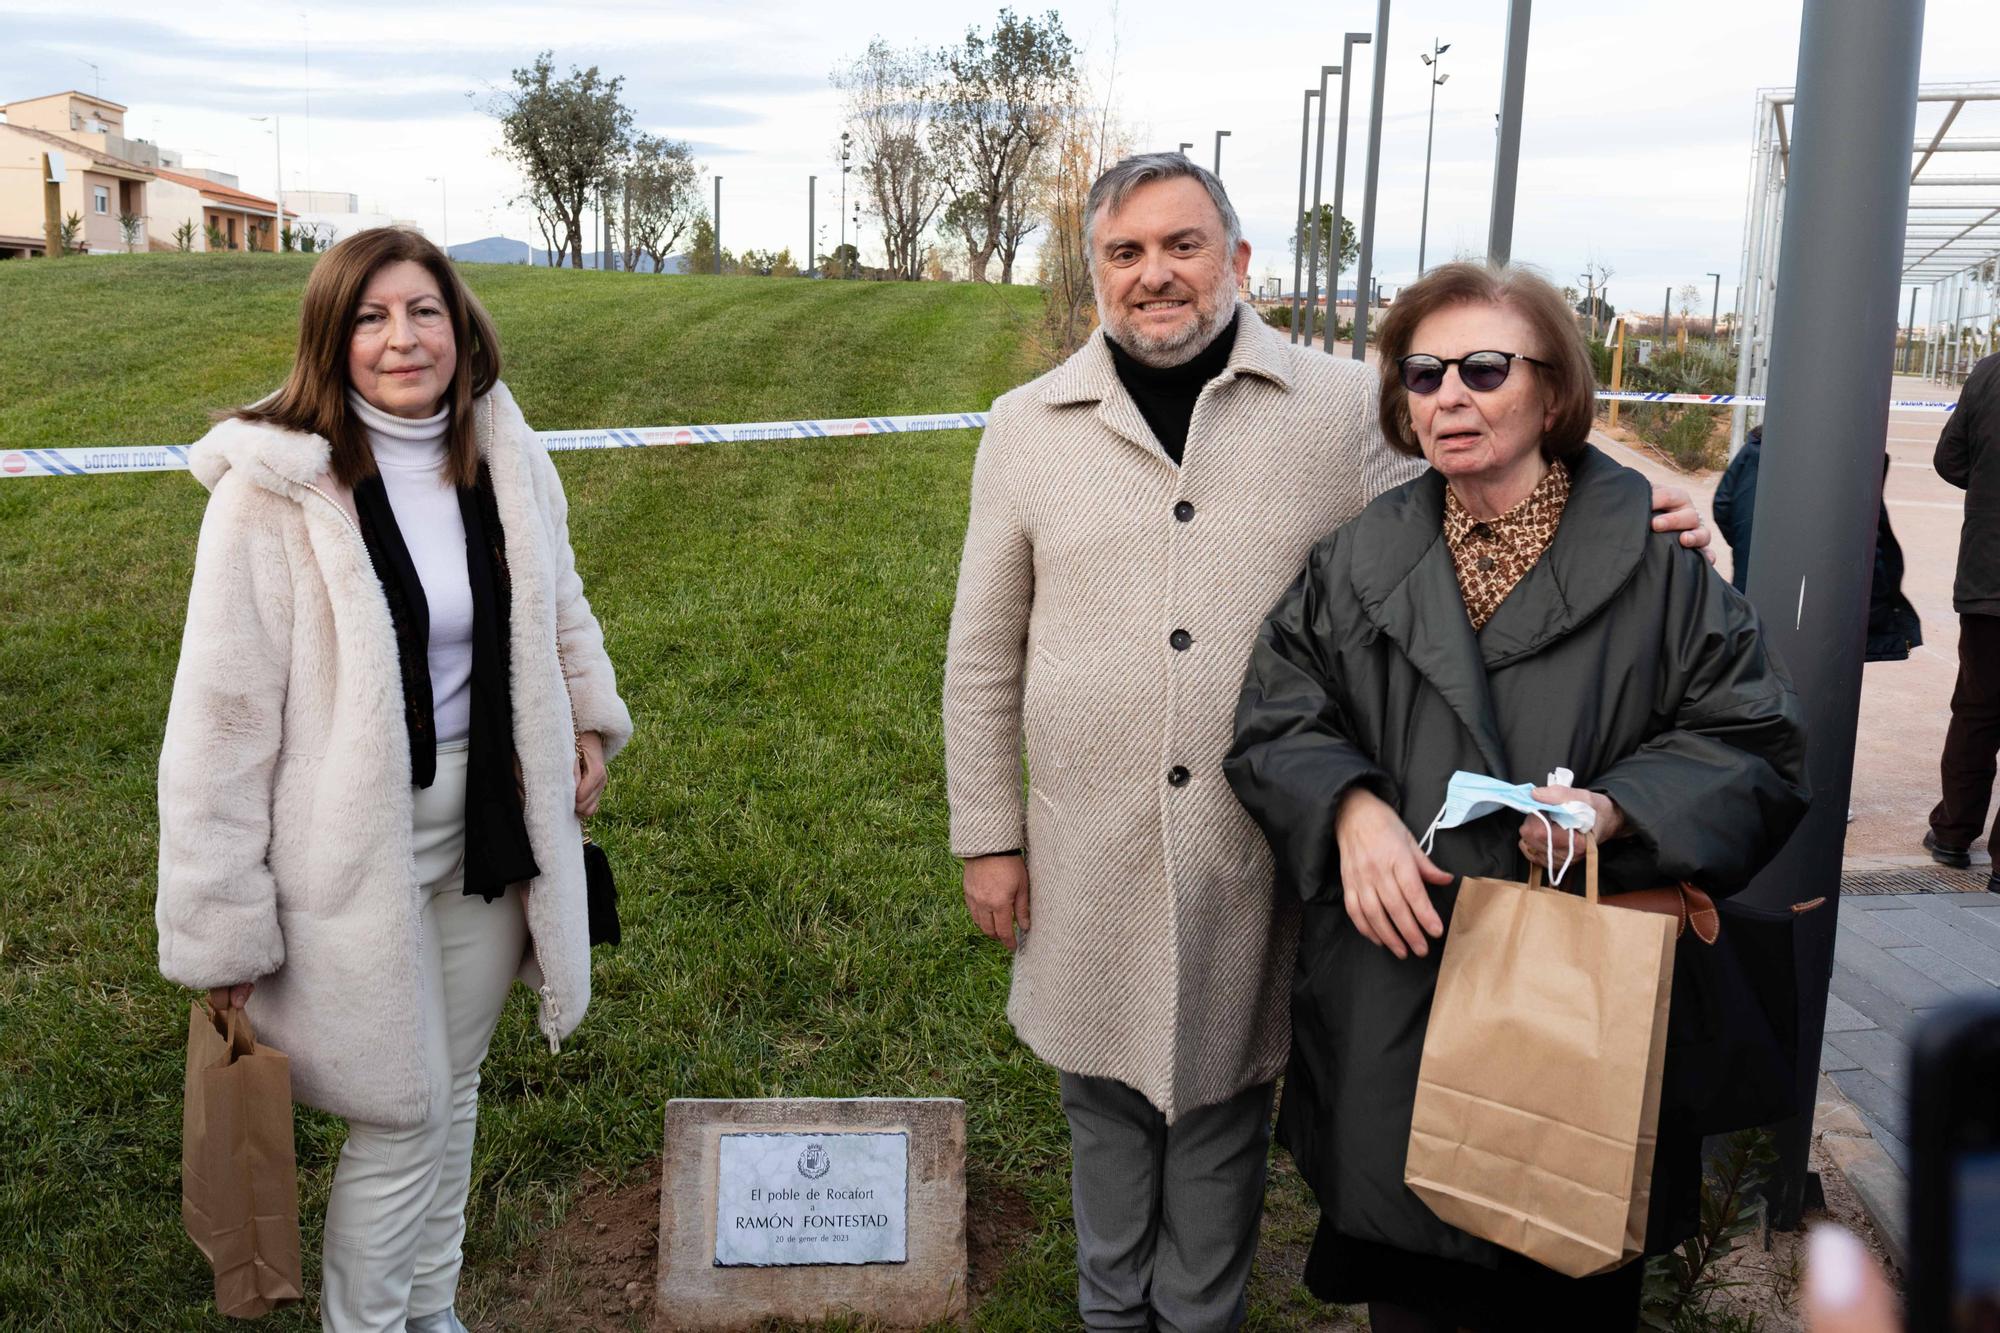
{"x":396,"y":1215}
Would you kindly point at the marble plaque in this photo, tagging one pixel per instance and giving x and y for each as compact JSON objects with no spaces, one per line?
{"x":902,"y":1262}
{"x":839,"y":1198}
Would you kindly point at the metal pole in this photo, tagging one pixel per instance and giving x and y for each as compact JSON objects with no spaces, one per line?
{"x":1430,"y":134}
{"x":1333,"y":264}
{"x":718,"y":226}
{"x":1666,"y":318}
{"x":1910,"y":331}
{"x":1507,"y":150}
{"x":1365,"y":268}
{"x":1715,"y":309}
{"x":1312,"y":217}
{"x":277,"y":165}
{"x":812,"y":187}
{"x":1821,"y":484}
{"x":1299,"y":230}
{"x":1220,"y":135}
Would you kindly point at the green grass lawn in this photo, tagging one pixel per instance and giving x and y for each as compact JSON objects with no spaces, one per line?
{"x":777,"y":613}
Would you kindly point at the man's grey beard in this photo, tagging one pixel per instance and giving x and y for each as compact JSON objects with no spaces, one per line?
{"x":1183,"y":347}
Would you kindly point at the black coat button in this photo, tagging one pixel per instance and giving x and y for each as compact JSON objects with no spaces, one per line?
{"x":1181,"y":640}
{"x":1483,"y":563}
{"x":1184,"y":511}
{"x":1177,"y":776}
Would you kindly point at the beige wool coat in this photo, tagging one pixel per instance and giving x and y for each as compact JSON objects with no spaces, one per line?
{"x":1160,"y":954}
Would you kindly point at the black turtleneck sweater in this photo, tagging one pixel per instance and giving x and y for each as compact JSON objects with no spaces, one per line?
{"x":1166,"y":395}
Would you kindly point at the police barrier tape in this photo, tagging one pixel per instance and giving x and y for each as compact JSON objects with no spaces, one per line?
{"x":89,"y":462}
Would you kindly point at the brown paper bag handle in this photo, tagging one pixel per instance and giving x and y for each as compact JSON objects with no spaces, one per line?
{"x":1589,"y":869}
{"x":233,"y":1026}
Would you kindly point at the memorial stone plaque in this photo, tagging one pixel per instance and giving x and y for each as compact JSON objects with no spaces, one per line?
{"x":836,"y":1198}
{"x":804,"y":1209}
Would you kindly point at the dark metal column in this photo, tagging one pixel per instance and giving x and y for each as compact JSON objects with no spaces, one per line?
{"x":1507,"y":152}
{"x":1365,"y":265}
{"x":1348,"y":43}
{"x":718,"y":226}
{"x":812,"y":198}
{"x":1312,"y":214}
{"x":1821,"y":483}
{"x":1299,"y":229}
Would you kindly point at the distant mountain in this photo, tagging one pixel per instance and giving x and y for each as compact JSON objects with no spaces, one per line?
{"x":491,"y":250}
{"x":591,"y":259}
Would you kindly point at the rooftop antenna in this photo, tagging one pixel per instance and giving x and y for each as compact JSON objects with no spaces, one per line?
{"x":97,"y":80}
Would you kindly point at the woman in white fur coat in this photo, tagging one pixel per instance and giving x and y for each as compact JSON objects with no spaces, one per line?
{"x":393,"y":705}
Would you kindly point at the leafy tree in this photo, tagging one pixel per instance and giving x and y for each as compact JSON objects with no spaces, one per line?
{"x":889,"y":93}
{"x":566,"y":137}
{"x":1350,"y":246}
{"x":843,"y":261}
{"x":128,"y":227}
{"x":963,"y":218}
{"x":701,"y":248}
{"x":659,"y":191}
{"x":997,"y":115}
{"x":69,"y":235}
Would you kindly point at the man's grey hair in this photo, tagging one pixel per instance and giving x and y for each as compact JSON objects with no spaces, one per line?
{"x":1115,"y":186}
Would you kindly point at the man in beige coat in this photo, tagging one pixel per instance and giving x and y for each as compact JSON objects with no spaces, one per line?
{"x":1135,"y":512}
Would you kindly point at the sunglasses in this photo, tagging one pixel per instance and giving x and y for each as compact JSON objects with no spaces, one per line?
{"x":1481,"y":372}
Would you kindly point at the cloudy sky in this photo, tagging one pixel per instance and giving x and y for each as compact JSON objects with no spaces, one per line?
{"x":1635,"y":148}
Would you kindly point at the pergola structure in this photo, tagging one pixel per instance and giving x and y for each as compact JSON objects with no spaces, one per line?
{"x":1951,"y":243}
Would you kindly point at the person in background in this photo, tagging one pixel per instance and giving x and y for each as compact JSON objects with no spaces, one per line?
{"x":392,"y":705}
{"x":1893,"y":625}
{"x":1968,"y":456}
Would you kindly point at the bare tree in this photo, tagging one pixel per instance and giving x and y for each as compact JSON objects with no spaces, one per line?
{"x":566,"y":137}
{"x":889,"y":94}
{"x":1089,"y":137}
{"x":996,"y":116}
{"x":660,"y":198}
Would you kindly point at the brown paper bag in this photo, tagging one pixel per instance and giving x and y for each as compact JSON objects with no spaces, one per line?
{"x":239,"y":1181}
{"x":1538,"y":1097}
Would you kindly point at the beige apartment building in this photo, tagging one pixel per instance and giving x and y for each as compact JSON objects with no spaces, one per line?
{"x":106,"y":174}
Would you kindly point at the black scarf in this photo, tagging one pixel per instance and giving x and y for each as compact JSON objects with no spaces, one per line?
{"x":497,"y":850}
{"x":1165,"y":395}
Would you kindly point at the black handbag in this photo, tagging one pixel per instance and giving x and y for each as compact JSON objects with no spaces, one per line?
{"x":1733,"y":1030}
{"x":602,"y":892}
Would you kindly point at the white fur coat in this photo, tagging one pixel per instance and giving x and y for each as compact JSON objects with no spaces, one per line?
{"x":285,"y":797}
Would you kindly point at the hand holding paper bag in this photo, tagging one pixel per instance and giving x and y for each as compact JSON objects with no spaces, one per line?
{"x":239,"y":1179}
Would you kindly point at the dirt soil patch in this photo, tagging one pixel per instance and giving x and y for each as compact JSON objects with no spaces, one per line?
{"x":596,"y":1272}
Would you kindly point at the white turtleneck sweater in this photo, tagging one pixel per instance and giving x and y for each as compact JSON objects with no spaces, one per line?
{"x":410,"y":456}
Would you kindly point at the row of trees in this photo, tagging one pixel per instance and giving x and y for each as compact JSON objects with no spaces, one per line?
{"x":571,"y":138}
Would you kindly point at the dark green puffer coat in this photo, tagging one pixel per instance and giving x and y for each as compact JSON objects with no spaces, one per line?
{"x":1620,"y":655}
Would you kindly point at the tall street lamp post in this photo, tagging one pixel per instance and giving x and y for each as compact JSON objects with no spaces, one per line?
{"x":1220,"y":135}
{"x":718,"y":226}
{"x":1334,"y":266}
{"x":846,"y":152}
{"x":1299,"y":230}
{"x":1437,"y":80}
{"x":1182,"y":148}
{"x":1312,"y":218}
{"x":1714,"y":306}
{"x":277,"y":165}
{"x":812,"y":186}
{"x":1365,"y":270}
{"x":444,"y":206}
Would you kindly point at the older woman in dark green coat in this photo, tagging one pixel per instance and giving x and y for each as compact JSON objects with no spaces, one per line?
{"x":1508,"y":614}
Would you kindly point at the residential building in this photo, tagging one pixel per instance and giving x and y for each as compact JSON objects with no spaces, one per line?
{"x":100,"y":181}
{"x":211,"y":199}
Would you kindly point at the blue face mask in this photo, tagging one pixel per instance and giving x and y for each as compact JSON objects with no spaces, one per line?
{"x":1470,"y":796}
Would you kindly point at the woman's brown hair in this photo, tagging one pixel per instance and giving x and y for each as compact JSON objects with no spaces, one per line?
{"x":1569,"y":379}
{"x":314,"y":398}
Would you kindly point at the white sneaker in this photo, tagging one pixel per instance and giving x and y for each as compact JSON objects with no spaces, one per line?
{"x":442,"y":1321}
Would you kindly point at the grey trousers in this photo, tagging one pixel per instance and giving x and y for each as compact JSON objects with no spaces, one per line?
{"x":1166,"y":1215}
